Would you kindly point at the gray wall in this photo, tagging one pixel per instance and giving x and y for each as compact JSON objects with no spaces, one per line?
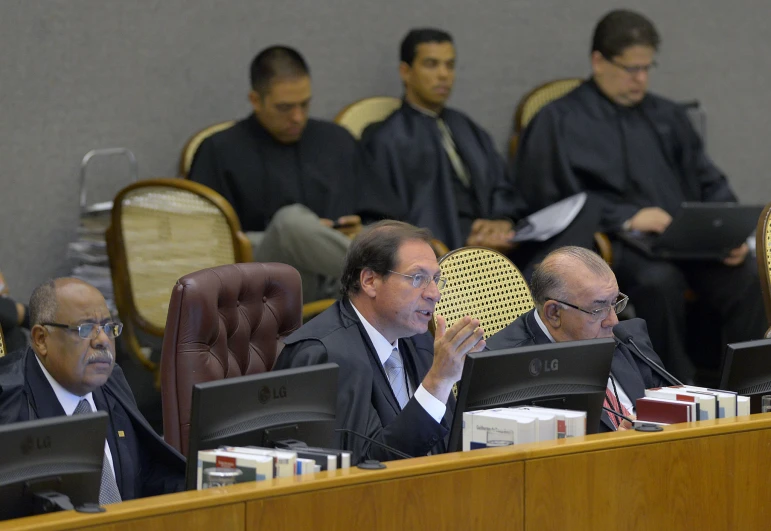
{"x":145,"y":74}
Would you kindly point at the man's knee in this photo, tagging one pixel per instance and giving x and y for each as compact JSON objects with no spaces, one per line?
{"x":292,"y":218}
{"x":661,"y":277}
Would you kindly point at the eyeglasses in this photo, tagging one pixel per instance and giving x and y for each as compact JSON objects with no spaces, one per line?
{"x":91,"y":330}
{"x":422,"y":281}
{"x":633,"y":70}
{"x":600,"y":314}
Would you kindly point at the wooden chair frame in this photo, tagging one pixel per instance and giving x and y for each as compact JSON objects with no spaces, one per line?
{"x":3,"y":349}
{"x":763,"y":252}
{"x":339,"y":117}
{"x":116,"y":250}
{"x":194,"y":142}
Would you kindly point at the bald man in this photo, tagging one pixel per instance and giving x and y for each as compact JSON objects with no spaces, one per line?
{"x":70,"y":368}
{"x":576,"y":298}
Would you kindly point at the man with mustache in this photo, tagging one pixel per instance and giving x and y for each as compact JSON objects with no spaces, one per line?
{"x":441,"y":164}
{"x":395,"y":379}
{"x":70,"y":369}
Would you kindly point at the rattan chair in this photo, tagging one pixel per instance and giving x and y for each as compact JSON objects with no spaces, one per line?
{"x":484,"y":284}
{"x":161,"y":230}
{"x":763,"y":250}
{"x":534,"y":101}
{"x":192,"y":145}
{"x":359,"y":114}
{"x":2,"y":343}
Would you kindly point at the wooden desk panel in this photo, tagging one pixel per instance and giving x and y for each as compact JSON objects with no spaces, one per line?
{"x":709,"y":482}
{"x":488,"y":498}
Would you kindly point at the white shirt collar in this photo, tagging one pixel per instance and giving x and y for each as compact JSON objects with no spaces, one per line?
{"x":68,"y":400}
{"x":543,"y":326}
{"x":381,"y":344}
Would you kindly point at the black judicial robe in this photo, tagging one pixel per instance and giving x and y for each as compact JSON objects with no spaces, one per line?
{"x":409,"y":156}
{"x":325,"y":170}
{"x":626,"y":157}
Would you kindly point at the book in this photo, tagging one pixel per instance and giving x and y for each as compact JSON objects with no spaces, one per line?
{"x":664,"y":410}
{"x":490,"y":428}
{"x":742,"y":406}
{"x":726,"y":406}
{"x":570,"y":423}
{"x":707,"y":402}
{"x":284,"y":461}
{"x":253,"y":467}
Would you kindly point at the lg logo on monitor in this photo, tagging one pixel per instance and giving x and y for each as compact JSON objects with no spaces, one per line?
{"x":537,"y":366}
{"x":266,"y":393}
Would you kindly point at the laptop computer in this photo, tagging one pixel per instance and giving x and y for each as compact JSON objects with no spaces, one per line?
{"x":699,"y":231}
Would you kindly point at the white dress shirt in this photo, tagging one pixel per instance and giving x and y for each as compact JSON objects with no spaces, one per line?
{"x":429,"y":402}
{"x":622,"y":396}
{"x":70,"y":401}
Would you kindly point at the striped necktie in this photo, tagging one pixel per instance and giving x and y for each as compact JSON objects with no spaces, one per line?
{"x":108,"y":492}
{"x":394,"y":368}
{"x":615,"y":405}
{"x":452,"y":152}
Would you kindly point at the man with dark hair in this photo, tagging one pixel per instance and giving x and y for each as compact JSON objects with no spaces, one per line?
{"x":70,"y":369}
{"x":639,"y":158}
{"x":14,"y":317}
{"x":576,"y":298}
{"x":395,"y":380}
{"x":292,"y":179}
{"x":441,"y":164}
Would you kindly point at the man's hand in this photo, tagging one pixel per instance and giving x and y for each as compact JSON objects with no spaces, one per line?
{"x":348,"y":225}
{"x":493,"y":233}
{"x":736,"y":256}
{"x":450,"y":349}
{"x":650,"y":219}
{"x":624,"y":425}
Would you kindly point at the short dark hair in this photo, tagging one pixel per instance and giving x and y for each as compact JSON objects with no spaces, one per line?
{"x":409,"y":47}
{"x":376,"y":248}
{"x":43,"y":303}
{"x":276,"y":62}
{"x":620,"y":29}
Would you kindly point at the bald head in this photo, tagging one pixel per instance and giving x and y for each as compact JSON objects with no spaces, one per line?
{"x":564,"y":270}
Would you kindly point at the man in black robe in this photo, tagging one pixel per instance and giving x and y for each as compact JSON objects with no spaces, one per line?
{"x":639,"y":158}
{"x":292,"y":179}
{"x":395,"y":379}
{"x":576,"y":298}
{"x":441,"y":164}
{"x":13,"y":318}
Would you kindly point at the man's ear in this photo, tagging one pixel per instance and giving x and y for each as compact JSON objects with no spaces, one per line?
{"x":368,"y":280}
{"x":405,"y":72}
{"x":552,"y":314}
{"x":38,"y":337}
{"x":256,"y":100}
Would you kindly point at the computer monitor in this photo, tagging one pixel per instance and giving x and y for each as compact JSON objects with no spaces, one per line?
{"x":566,"y":375}
{"x":63,"y":455}
{"x":747,"y":370}
{"x":259,"y":409}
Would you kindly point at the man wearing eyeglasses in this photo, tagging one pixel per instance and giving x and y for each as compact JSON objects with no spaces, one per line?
{"x":395,"y":379}
{"x":638,"y":155}
{"x":576,"y":298}
{"x":70,"y":369}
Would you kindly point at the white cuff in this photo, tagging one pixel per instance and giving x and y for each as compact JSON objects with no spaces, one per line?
{"x":430,"y":403}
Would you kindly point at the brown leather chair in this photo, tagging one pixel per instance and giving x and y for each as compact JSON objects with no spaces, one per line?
{"x":223,"y":322}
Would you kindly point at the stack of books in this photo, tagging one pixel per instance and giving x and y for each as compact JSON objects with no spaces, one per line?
{"x":257,"y":464}
{"x":508,"y":426}
{"x":686,"y":403}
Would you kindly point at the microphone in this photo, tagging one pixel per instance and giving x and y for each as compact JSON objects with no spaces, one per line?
{"x":616,"y":413}
{"x":625,"y":337}
{"x":373,"y":441}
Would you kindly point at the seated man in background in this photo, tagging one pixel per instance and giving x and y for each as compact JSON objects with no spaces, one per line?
{"x":13,"y":318}
{"x":440,"y":163}
{"x":70,"y":369}
{"x":638,"y":156}
{"x":576,"y":297}
{"x":291,"y":179}
{"x":395,"y":379}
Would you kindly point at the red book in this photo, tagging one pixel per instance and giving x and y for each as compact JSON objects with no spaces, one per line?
{"x":664,"y":411}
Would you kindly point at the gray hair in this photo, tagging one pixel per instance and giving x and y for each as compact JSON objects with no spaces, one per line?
{"x":548,"y":282}
{"x":43,"y":303}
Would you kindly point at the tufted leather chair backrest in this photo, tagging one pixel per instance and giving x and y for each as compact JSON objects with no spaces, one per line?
{"x":223,"y":322}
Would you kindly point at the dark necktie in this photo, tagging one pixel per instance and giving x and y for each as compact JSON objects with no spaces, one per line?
{"x":108,"y":492}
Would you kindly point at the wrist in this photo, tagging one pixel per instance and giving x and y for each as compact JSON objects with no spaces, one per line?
{"x":627,"y":225}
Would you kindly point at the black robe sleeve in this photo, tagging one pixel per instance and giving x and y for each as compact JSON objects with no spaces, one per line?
{"x":543,"y":174}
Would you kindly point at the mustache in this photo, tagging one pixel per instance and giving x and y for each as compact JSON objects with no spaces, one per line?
{"x":104,"y":355}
